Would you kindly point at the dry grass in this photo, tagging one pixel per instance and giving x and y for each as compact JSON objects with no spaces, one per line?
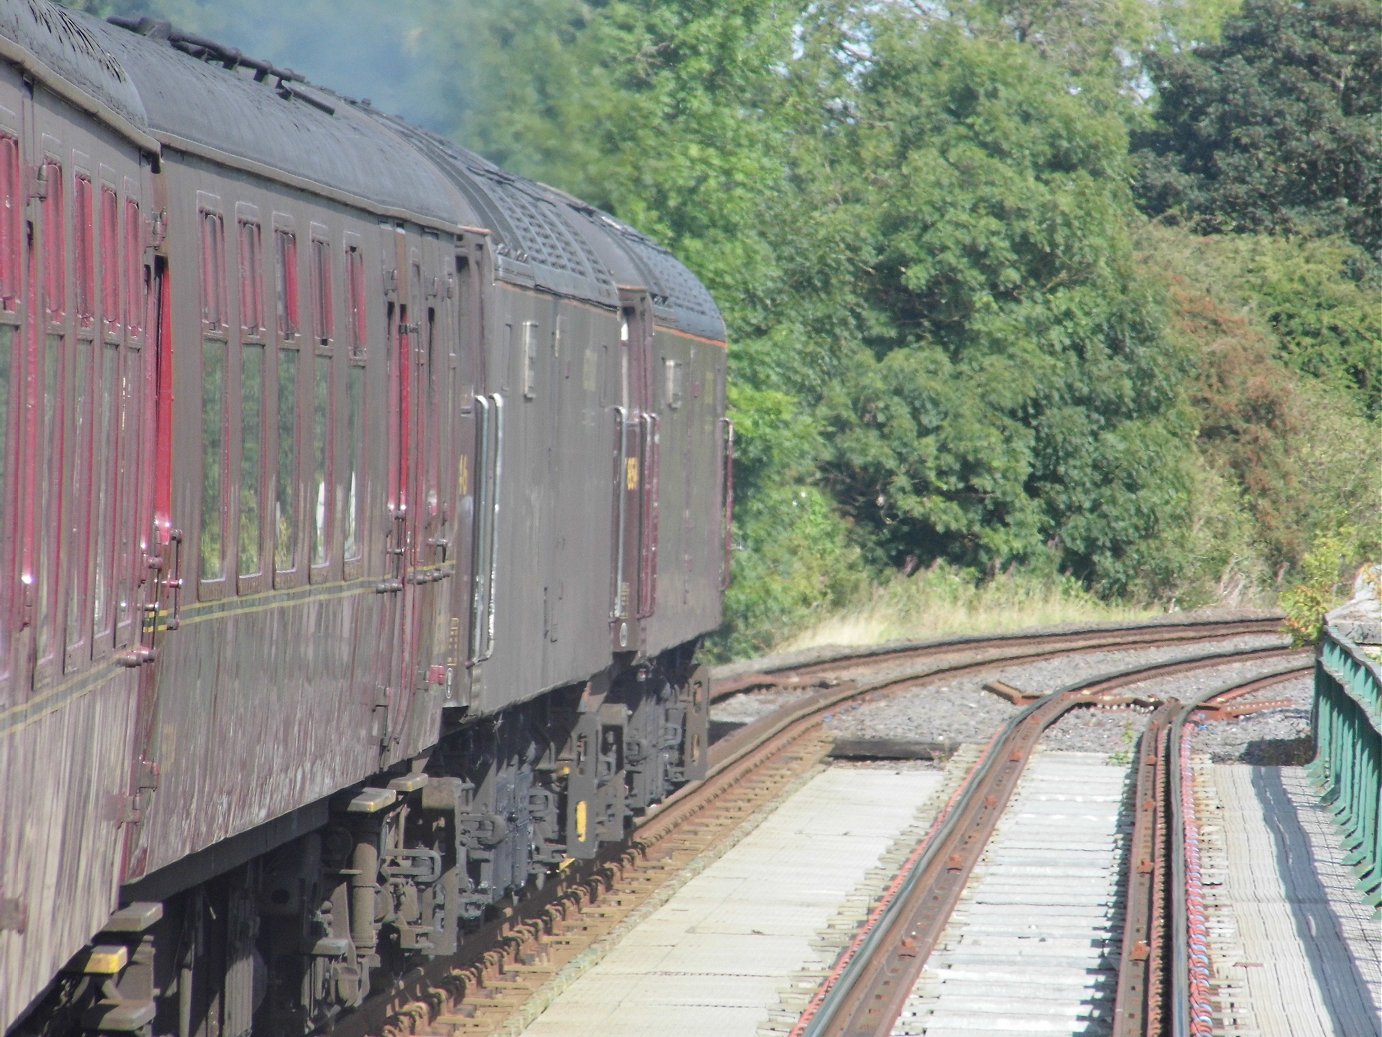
{"x":945,"y":603}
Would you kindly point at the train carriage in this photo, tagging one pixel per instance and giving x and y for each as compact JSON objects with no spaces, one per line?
{"x":363,"y":507}
{"x":75,"y":481}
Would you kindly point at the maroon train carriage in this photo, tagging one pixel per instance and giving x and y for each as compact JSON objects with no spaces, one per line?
{"x":363,"y":506}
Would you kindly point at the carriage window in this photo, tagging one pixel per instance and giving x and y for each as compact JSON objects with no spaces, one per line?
{"x":355,"y":394}
{"x":355,"y":289}
{"x":129,"y":473}
{"x":49,"y":462}
{"x":48,"y":454}
{"x":213,"y":271}
{"x":285,"y":494}
{"x":54,"y":244}
{"x":11,"y":207}
{"x":103,"y":483}
{"x":76,"y":508}
{"x":321,"y":472}
{"x":83,"y":252}
{"x":251,"y":292}
{"x":134,"y":270}
{"x":11,"y":215}
{"x":110,"y":261}
{"x":213,"y":412}
{"x":286,"y":266}
{"x":251,"y":452}
{"x":323,"y":316}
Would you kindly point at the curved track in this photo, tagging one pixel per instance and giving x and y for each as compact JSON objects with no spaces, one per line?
{"x":501,"y":966}
{"x":869,"y":988}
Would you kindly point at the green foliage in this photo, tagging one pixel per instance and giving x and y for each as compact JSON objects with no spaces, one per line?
{"x":1276,"y":128}
{"x":1310,"y":302}
{"x":1330,"y":562}
{"x":1283,"y":456}
{"x":1089,"y":38}
{"x":1010,"y":390}
{"x":1095,"y":42}
{"x":1320,"y":300}
{"x":1188,"y":23}
{"x":774,"y":439}
{"x":793,"y":560}
{"x":1217,"y":557}
{"x":794,"y":556}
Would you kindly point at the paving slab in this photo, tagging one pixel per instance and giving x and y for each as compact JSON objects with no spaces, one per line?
{"x":1295,"y":951}
{"x":712,"y":959}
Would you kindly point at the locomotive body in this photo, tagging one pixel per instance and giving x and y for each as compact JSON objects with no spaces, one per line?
{"x":363,"y":507}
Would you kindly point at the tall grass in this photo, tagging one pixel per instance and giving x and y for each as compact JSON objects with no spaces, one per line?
{"x":945,"y":601}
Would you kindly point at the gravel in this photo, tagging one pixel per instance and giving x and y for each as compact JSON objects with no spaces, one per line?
{"x":959,"y":711}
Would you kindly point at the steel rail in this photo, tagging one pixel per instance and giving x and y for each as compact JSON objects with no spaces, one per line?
{"x":883,"y":965}
{"x":1142,"y":981}
{"x":1154,"y":967}
{"x":444,"y":982}
{"x":876,"y":973}
{"x":755,"y":740}
{"x":732,"y":680}
{"x":1188,"y":940}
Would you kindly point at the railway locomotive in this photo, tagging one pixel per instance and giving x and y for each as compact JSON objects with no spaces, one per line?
{"x":363,"y":507}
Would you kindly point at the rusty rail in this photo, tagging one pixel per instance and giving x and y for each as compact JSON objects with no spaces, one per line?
{"x":793,"y":671}
{"x":1142,"y":975}
{"x":1163,"y":971}
{"x":875,"y":975}
{"x":433,"y":991}
{"x":872,"y":979}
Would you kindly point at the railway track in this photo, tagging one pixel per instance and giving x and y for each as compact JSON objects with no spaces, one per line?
{"x":867,"y":993}
{"x":490,"y":987}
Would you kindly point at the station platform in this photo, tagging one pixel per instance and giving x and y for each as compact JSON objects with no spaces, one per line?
{"x":712,"y":959}
{"x":1295,"y":950}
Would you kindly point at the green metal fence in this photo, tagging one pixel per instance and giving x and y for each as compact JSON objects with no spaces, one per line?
{"x":1347,"y":719}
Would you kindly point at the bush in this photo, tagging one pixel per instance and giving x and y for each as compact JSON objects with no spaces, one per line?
{"x":793,"y":561}
{"x":1323,"y":582}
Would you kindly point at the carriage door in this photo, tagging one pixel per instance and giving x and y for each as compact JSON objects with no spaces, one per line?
{"x":634,"y":592}
{"x":468,"y":472}
{"x":400,"y":646}
{"x":433,"y":356}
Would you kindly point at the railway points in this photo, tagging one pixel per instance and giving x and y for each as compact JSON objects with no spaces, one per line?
{"x":1084,"y":951}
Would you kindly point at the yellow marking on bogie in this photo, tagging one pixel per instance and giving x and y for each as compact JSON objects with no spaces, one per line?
{"x":106,"y":960}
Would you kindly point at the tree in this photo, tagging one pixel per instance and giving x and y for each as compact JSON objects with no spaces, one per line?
{"x":659,"y":112}
{"x":1012,"y":391}
{"x":1279,"y":425}
{"x":1098,"y":43}
{"x":1278,"y":128}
